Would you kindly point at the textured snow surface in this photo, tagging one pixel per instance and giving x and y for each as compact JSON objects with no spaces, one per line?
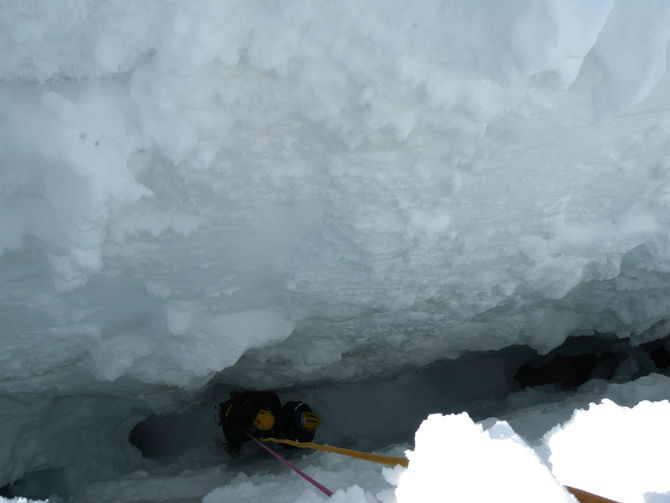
{"x":361,"y":187}
{"x":269,"y":194}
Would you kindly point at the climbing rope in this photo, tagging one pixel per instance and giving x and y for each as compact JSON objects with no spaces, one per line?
{"x":309,"y":479}
{"x":586,"y":497}
{"x":375,"y":458}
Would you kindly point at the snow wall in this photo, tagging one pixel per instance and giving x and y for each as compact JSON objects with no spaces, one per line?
{"x":276,"y":194}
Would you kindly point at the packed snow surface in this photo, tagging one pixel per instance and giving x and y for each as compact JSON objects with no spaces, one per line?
{"x":325,"y":190}
{"x":275,"y":194}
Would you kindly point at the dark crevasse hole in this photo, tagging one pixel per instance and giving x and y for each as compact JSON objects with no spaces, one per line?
{"x":567,"y":372}
{"x":136,"y":437}
{"x":169,"y":435}
{"x":39,"y":485}
{"x":580,"y":359}
{"x":659,"y":354}
{"x":158,"y":436}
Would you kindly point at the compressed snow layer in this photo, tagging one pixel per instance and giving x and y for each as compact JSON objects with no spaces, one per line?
{"x":192,"y":344}
{"x":617,"y":452}
{"x":365,"y":187}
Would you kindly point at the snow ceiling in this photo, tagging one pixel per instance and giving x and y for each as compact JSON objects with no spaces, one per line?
{"x":278,"y":192}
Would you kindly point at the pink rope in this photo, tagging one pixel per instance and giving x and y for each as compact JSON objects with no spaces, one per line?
{"x":309,"y":479}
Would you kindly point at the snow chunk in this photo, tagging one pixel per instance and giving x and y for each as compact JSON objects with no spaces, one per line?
{"x":457,"y":460}
{"x":617,"y":452}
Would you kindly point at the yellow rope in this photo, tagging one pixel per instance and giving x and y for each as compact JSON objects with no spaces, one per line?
{"x":582,"y":496}
{"x":376,"y":458}
{"x":587,"y":497}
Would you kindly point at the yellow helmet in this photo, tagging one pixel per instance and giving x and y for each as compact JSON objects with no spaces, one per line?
{"x":310,"y":421}
{"x":264,"y":420}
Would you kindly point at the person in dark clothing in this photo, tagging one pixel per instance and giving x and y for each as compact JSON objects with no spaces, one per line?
{"x":296,"y":421}
{"x":252,"y":411}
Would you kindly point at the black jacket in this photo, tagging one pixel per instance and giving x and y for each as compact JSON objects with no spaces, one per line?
{"x":289,"y":425}
{"x":238,"y":414}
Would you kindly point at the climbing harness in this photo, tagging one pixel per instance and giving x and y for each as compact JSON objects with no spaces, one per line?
{"x":309,"y":479}
{"x":375,"y":458}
